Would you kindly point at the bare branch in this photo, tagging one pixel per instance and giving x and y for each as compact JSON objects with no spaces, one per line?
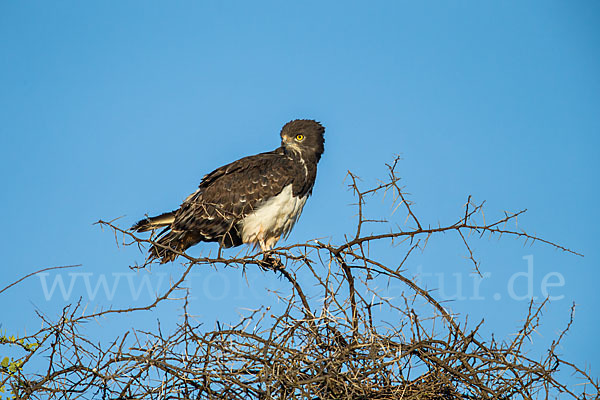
{"x":332,"y":339}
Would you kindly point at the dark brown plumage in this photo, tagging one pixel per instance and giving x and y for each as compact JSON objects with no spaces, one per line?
{"x":253,"y":200}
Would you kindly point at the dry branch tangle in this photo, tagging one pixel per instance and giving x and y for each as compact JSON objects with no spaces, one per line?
{"x":330,"y":343}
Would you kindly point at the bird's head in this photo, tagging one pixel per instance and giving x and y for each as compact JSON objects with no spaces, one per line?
{"x":304,"y":136}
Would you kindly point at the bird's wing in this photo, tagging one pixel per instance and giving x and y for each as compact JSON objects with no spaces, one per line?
{"x":231,"y":192}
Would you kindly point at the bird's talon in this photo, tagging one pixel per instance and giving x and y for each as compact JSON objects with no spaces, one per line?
{"x":271,"y":262}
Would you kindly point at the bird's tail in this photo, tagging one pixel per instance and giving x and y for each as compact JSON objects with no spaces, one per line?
{"x":168,"y":242}
{"x":170,"y":245}
{"x":150,"y":223}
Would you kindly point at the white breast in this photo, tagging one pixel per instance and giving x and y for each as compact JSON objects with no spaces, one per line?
{"x":273,"y":219}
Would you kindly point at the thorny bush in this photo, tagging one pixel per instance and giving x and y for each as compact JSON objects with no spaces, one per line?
{"x":335,"y":344}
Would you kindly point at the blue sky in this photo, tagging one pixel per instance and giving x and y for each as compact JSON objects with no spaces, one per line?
{"x":114,"y":109}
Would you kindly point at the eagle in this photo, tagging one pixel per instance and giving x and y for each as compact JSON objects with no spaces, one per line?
{"x":255,"y":200}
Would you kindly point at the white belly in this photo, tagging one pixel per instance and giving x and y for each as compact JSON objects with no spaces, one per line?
{"x":273,"y":219}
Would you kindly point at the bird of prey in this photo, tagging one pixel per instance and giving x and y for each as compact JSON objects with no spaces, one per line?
{"x":255,"y":200}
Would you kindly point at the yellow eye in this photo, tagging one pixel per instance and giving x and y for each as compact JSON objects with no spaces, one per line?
{"x":299,"y":137}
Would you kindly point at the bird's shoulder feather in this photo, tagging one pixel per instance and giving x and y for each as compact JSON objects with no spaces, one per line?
{"x":247,"y":167}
